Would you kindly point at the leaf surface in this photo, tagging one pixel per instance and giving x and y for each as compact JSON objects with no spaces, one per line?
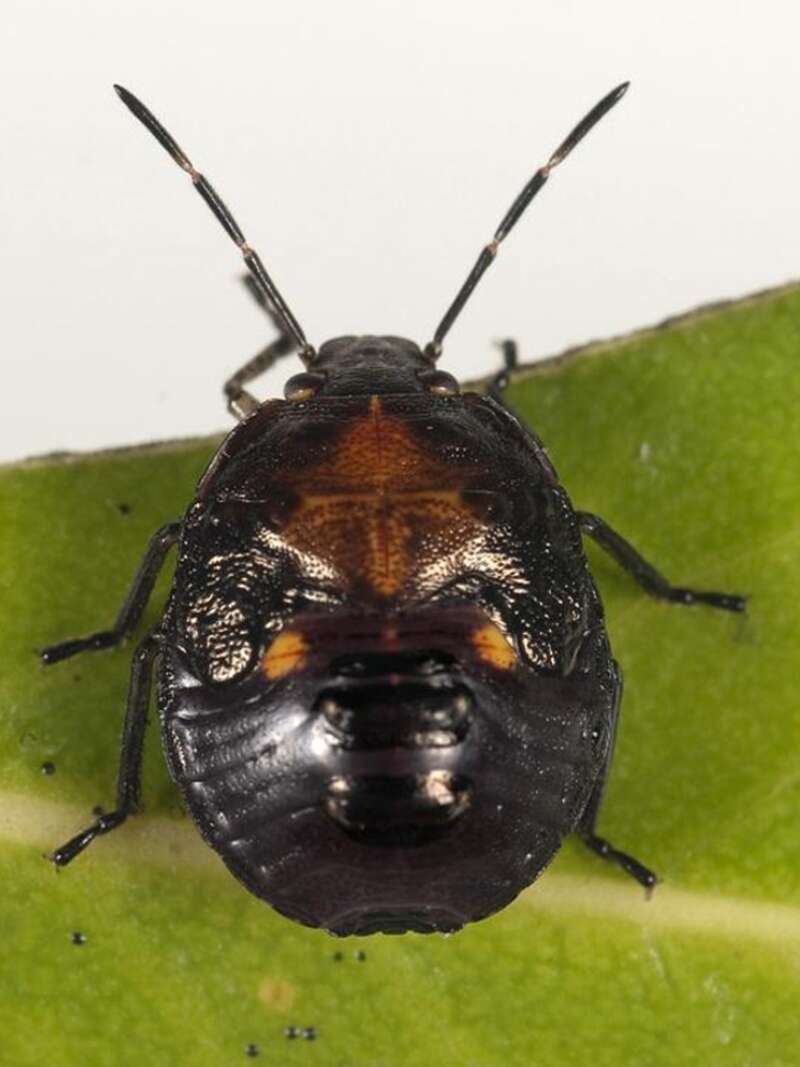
{"x":685,"y":439}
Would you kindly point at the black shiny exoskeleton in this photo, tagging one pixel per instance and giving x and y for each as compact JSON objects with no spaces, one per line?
{"x":386,"y":691}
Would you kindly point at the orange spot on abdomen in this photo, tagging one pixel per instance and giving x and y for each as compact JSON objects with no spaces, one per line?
{"x":493,"y":648}
{"x":286,"y":654}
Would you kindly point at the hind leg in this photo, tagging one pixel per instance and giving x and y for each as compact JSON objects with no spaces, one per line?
{"x":588,"y":821}
{"x":130,"y":764}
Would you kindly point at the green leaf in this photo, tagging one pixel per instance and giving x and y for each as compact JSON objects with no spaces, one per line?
{"x":685,"y":438}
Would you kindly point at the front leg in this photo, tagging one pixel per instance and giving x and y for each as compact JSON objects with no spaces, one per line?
{"x":241,"y":403}
{"x":500,"y":381}
{"x":645,"y":574}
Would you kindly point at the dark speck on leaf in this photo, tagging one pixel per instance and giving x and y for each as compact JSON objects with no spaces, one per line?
{"x":48,"y":768}
{"x":291,"y":1032}
{"x":360,"y":955}
{"x":77,"y":938}
{"x":251,"y":1051}
{"x":125,"y":509}
{"x":309,"y":1033}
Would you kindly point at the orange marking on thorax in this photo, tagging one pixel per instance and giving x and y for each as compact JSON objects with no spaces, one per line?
{"x":366,"y":505}
{"x":377,"y":452}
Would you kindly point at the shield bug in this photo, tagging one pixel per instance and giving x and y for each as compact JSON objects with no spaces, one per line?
{"x":385,"y":691}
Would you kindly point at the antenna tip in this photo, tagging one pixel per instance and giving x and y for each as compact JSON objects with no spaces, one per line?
{"x":620,"y":90}
{"x":135,"y":106}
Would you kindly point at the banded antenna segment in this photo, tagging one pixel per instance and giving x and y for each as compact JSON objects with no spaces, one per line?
{"x":487,"y":255}
{"x":212,"y":198}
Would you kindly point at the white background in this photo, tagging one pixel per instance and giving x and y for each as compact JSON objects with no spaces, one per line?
{"x":368,"y":150}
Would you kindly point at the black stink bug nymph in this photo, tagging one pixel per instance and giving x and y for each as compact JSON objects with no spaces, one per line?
{"x":385,"y":688}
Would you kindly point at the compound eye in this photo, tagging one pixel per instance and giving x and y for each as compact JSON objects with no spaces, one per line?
{"x":439,"y":382}
{"x":303,"y":386}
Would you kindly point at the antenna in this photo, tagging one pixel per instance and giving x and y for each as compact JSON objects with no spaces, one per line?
{"x":212,"y":198}
{"x":434,"y":349}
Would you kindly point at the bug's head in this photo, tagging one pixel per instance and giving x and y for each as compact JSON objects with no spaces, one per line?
{"x":354,"y":366}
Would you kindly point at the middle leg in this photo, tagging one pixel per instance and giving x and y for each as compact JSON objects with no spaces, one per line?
{"x":135,"y":602}
{"x":646,"y":575}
